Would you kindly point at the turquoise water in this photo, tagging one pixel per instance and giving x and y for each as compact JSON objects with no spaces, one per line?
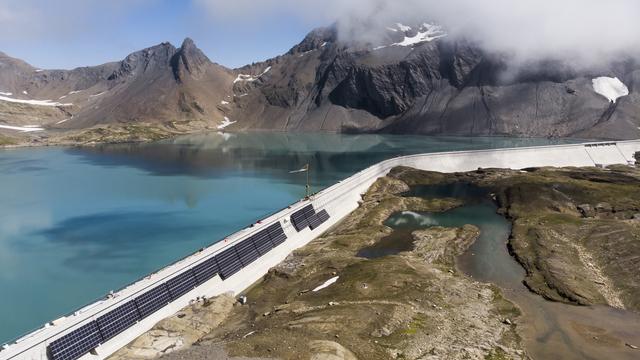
{"x":76,"y":223}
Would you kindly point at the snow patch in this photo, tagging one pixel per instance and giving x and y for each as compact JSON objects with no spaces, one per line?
{"x":403,"y":28}
{"x":225,"y":123}
{"x":73,"y":92}
{"x":224,"y":102}
{"x":97,"y":94}
{"x":610,"y":88}
{"x":306,"y":52}
{"x":428,"y":32}
{"x":39,"y":70}
{"x":25,"y":92}
{"x":326,"y":283}
{"x":26,"y":128}
{"x":6,"y":93}
{"x":244,"y":77}
{"x":392,"y":29}
{"x":323,"y":44}
{"x":64,"y":120}
{"x":34,"y":102}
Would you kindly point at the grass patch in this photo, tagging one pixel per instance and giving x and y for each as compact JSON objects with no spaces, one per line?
{"x":497,"y":354}
{"x":418,"y":322}
{"x":5,"y":140}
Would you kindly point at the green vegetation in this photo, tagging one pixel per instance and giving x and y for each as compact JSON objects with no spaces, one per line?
{"x":5,"y":140}
{"x":120,"y":134}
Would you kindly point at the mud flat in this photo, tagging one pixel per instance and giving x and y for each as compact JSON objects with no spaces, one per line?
{"x":490,"y":264}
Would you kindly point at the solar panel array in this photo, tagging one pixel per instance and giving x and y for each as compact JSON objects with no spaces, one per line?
{"x":185,"y":282}
{"x":276,"y":234}
{"x":152,"y":300}
{"x":307,"y":216}
{"x":205,"y":270}
{"x":118,"y":320}
{"x":317,"y":219}
{"x":247,"y":252}
{"x":80,"y":341}
{"x":262,"y":242}
{"x":76,"y":343}
{"x":228,"y":262}
{"x":299,"y":218}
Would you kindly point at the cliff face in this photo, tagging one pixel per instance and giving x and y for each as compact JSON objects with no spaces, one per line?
{"x":412,"y":80}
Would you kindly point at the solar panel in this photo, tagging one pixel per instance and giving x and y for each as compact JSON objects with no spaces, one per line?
{"x":262,"y":242}
{"x":181,"y":284}
{"x":323,"y":215}
{"x":314,"y":222}
{"x":276,"y":234}
{"x":152,"y":300}
{"x":116,"y":321}
{"x":77,"y":343}
{"x":247,"y":252}
{"x":275,"y":229}
{"x":299,"y":218}
{"x":308,"y":211}
{"x":279,"y":239}
{"x":228,"y":263}
{"x":205,"y":270}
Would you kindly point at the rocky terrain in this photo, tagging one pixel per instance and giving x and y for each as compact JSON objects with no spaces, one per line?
{"x":412,"y":79}
{"x":414,"y":304}
{"x":576,"y":231}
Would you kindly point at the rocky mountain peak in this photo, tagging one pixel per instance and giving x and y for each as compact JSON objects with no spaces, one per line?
{"x":316,"y":39}
{"x":189,"y":59}
{"x":145,"y":60}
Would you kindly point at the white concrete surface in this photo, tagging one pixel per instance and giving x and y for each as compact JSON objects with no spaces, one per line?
{"x":339,"y":200}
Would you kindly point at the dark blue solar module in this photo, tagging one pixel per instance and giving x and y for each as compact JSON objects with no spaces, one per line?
{"x":247,"y":252}
{"x":276,"y":234}
{"x":314,"y":222}
{"x":181,"y":284}
{"x":323,"y":215}
{"x":205,"y":270}
{"x":152,"y":300}
{"x":262,"y":242}
{"x":228,"y":263}
{"x":308,"y":211}
{"x":318,"y":219}
{"x":299,"y":218}
{"x":118,"y":320}
{"x":76,"y":343}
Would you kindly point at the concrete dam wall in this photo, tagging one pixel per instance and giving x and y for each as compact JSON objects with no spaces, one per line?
{"x":234,"y":263}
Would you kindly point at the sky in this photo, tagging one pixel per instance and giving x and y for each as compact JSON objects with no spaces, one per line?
{"x":64,"y":34}
{"x":70,"y":33}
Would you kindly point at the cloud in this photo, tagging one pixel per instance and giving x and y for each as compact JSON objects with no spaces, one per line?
{"x":575,"y":31}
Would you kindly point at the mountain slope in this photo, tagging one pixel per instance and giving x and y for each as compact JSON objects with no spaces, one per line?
{"x":412,"y":79}
{"x":162,"y":84}
{"x":418,"y":82}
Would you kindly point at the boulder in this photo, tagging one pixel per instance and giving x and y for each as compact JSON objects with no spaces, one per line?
{"x":586,"y":210}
